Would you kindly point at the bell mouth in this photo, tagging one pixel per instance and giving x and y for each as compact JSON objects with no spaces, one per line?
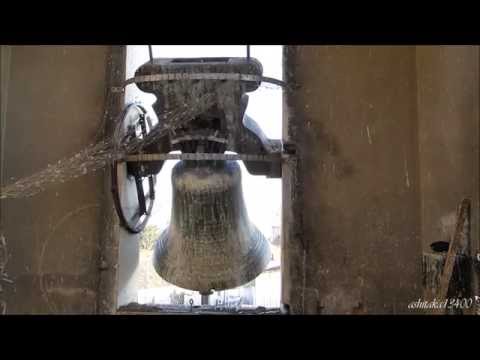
{"x":210,"y":243}
{"x":208,"y":274}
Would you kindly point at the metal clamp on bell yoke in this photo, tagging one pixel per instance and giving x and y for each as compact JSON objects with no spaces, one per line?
{"x":222,"y":127}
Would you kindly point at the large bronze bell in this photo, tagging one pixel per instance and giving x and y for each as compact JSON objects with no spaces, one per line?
{"x":210,"y":243}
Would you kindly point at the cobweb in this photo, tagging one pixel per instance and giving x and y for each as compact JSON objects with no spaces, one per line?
{"x":101,"y":154}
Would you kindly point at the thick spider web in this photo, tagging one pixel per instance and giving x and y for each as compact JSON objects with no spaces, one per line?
{"x":101,"y":154}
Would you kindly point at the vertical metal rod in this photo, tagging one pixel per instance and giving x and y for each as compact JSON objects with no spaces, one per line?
{"x":150,"y":52}
{"x":248,"y":52}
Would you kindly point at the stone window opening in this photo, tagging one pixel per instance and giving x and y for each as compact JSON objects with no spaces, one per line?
{"x":138,"y":281}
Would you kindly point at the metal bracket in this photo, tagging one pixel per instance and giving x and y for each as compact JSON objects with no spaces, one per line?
{"x":289,"y":148}
{"x":117,"y":89}
{"x":203,"y":76}
{"x":202,"y":156}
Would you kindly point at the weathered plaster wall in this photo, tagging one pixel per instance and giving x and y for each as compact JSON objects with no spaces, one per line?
{"x":448,"y":117}
{"x":388,"y":146}
{"x":354,"y":110}
{"x":56,"y":102}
